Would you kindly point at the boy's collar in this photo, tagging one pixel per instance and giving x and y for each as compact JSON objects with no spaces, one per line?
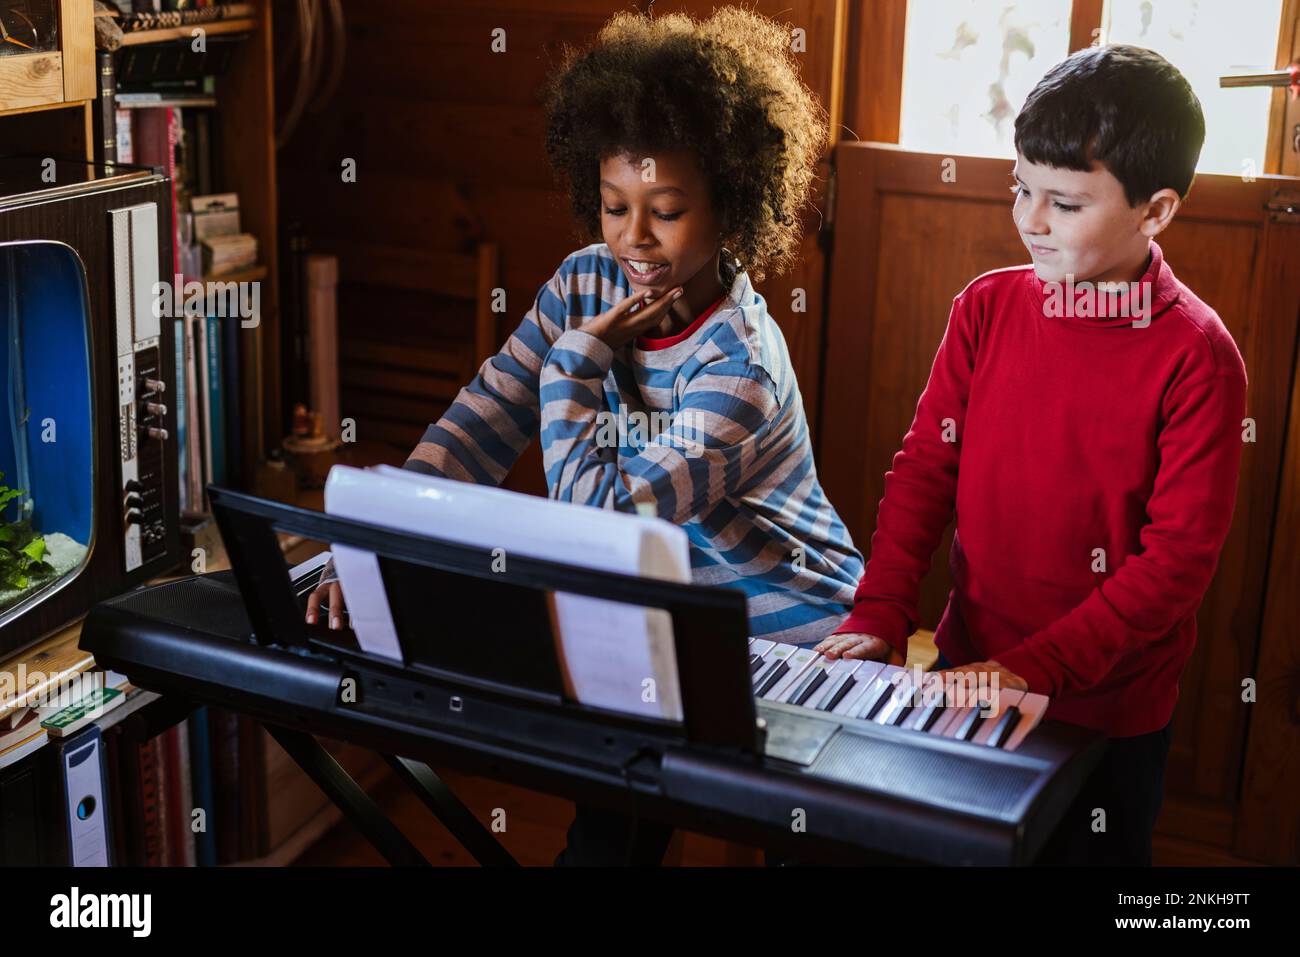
{"x":1079,"y":303}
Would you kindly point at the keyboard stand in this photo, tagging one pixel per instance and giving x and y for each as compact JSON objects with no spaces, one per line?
{"x":365,"y":815}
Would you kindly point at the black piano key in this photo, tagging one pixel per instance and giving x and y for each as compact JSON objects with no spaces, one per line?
{"x":775,"y":675}
{"x":811,"y":687}
{"x":1006,"y":725}
{"x":802,"y":683}
{"x":833,"y":700}
{"x":755,"y":662}
{"x":762,"y":675}
{"x":899,"y":716}
{"x":971,"y":723}
{"x":930,"y":714}
{"x":879,"y":701}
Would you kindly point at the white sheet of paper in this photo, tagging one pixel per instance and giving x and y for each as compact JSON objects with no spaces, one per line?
{"x":608,"y":649}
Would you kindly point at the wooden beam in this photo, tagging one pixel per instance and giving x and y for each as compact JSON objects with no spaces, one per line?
{"x":1085,"y":17}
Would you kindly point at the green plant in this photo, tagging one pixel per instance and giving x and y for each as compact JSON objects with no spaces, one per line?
{"x":22,"y":550}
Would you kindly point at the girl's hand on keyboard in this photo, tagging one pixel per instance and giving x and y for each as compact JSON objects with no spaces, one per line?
{"x":984,"y":672}
{"x":854,"y":646}
{"x":333,"y":594}
{"x":621,"y":325}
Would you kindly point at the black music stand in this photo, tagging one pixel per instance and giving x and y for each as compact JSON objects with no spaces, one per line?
{"x":465,"y":584}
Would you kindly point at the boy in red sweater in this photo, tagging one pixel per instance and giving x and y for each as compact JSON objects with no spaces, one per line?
{"x":1088,"y":437}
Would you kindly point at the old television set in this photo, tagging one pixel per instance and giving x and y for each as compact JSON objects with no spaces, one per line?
{"x":87,"y":448}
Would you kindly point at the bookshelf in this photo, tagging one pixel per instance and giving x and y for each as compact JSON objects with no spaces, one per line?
{"x":43,"y":121}
{"x":166,"y":34}
{"x":36,"y":121}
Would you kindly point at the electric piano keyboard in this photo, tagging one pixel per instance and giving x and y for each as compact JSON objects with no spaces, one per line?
{"x":869,"y":779}
{"x":890,"y":696}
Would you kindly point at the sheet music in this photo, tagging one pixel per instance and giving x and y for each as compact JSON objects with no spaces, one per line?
{"x":612,"y":655}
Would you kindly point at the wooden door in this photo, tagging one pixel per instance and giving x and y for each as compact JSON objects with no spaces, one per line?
{"x":906,"y":241}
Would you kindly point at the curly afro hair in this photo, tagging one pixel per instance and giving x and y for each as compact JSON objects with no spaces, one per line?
{"x":726,"y":89}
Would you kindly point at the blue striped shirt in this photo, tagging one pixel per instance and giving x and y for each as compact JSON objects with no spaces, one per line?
{"x":707,"y":432}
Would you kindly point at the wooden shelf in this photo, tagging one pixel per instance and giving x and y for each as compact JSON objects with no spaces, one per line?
{"x":246,"y":274}
{"x":184,"y":32}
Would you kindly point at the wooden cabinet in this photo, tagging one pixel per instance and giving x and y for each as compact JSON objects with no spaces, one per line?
{"x":60,"y":67}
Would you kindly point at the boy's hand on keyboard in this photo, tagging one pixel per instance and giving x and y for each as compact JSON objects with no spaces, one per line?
{"x":621,"y":325}
{"x":333,"y":595}
{"x":984,"y":671}
{"x":853,"y":646}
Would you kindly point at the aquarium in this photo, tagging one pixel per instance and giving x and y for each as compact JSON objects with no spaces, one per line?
{"x":47,"y":454}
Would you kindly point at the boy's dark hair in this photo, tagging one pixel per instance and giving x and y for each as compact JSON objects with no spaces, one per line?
{"x":1123,"y":106}
{"x":726,"y":89}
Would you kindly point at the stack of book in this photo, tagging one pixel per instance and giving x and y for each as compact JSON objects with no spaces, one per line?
{"x":226,"y":254}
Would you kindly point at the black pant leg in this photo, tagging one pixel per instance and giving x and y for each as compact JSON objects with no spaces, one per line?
{"x":1128,"y":785}
{"x":602,"y":838}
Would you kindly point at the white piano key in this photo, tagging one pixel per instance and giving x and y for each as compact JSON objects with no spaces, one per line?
{"x":1033,"y":706}
{"x":809,"y":673}
{"x":778,"y":652}
{"x":863,"y":676}
{"x":954,"y":722}
{"x":950,"y":716}
{"x":980,"y":705}
{"x":1006,"y":699}
{"x":883,"y":679}
{"x":839,"y":670}
{"x":761,"y":646}
{"x":800,"y":661}
{"x":901,"y":698}
{"x":931,"y":690}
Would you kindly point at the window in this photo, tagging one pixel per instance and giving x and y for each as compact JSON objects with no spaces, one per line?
{"x":968,"y":66}
{"x":1204,"y":40}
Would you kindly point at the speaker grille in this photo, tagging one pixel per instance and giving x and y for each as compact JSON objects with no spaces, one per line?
{"x":209,"y":603}
{"x":919,"y":773}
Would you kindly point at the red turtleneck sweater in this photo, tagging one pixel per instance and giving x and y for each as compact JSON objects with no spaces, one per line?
{"x":1092,"y":464}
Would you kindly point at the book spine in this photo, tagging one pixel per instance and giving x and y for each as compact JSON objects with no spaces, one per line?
{"x":194,"y":435}
{"x":232,"y":384}
{"x":173,"y":825}
{"x":125,"y":136}
{"x":216,"y":400}
{"x":178,"y":377}
{"x":225,"y":760}
{"x":114,"y":744}
{"x":205,"y":400}
{"x":105,"y":115}
{"x":131,"y":800}
{"x":151,"y":803}
{"x":185,"y":780}
{"x":201,"y":775}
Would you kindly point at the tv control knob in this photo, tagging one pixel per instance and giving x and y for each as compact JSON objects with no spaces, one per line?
{"x":155,"y":408}
{"x":132,"y":517}
{"x":155,"y":385}
{"x":156,"y":433}
{"x":132,"y":501}
{"x":133,"y":486}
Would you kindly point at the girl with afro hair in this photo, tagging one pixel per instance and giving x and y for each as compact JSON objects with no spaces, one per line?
{"x":687,"y":148}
